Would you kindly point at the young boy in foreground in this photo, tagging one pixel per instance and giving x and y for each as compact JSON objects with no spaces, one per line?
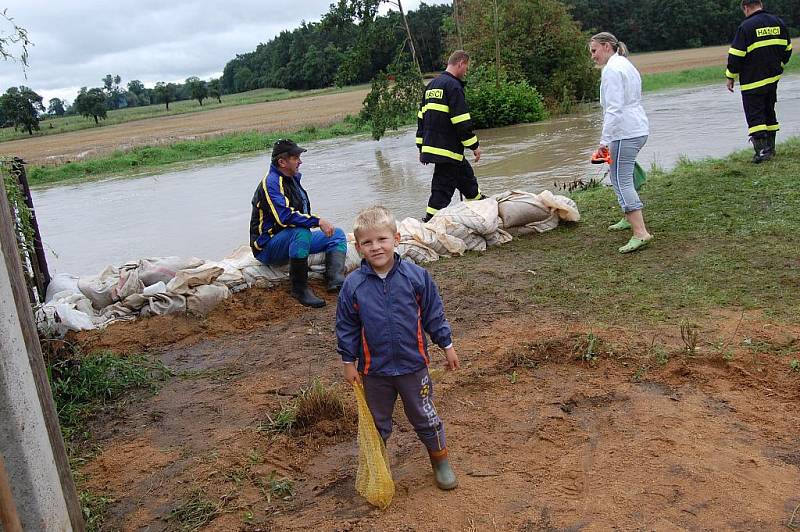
{"x":383,"y":308}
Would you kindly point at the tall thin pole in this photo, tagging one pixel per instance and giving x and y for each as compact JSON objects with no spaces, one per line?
{"x":457,"y":21}
{"x":497,"y":44}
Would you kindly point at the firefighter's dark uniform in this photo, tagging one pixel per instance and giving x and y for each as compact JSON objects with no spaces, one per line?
{"x":444,"y":129}
{"x":757,"y":56}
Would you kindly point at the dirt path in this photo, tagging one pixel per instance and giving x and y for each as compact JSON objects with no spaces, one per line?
{"x":546,"y":432}
{"x":287,"y":115}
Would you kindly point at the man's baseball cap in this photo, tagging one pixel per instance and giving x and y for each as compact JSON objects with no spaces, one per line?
{"x":284,"y":147}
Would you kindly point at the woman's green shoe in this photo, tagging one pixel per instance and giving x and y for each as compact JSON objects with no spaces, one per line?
{"x":621,"y":225}
{"x":634,"y":244}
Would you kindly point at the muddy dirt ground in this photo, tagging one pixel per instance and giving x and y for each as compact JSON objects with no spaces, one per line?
{"x":288,"y":115}
{"x":552,"y":423}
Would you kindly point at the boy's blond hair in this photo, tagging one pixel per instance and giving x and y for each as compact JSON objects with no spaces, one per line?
{"x":375,"y":217}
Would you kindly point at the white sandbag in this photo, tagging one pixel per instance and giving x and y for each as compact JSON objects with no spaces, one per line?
{"x":185,"y":280}
{"x":100,"y":289}
{"x":565,"y":207}
{"x":72,"y":319}
{"x":353,"y":259}
{"x":155,"y":269}
{"x":205,"y":297}
{"x":61,"y":282}
{"x":129,"y":282}
{"x":517,"y":208}
{"x":163,"y":304}
{"x":416,"y":252}
{"x":432,"y":236}
{"x":158,"y":288}
{"x":498,"y":238}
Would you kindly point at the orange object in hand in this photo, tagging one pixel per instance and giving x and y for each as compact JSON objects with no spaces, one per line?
{"x":601,"y":156}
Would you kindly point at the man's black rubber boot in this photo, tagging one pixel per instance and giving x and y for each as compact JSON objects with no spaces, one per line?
{"x":298,"y":273}
{"x":427,"y":218}
{"x":334,"y":269}
{"x":762,"y":149}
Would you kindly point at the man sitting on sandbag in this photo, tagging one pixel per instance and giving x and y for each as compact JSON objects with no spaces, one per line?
{"x":281,"y":226}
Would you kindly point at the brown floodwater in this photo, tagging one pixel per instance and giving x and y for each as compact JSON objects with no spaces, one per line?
{"x":204,"y":211}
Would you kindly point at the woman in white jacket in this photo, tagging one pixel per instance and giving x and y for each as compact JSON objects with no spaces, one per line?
{"x":625,"y":131}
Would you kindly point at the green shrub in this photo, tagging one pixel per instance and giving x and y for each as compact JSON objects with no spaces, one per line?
{"x":538,"y":41}
{"x":509,"y":103}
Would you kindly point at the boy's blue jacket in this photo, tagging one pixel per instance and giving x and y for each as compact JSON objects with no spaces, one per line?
{"x":380,"y":322}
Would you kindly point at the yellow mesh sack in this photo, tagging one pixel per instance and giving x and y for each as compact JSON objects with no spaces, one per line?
{"x":374,"y":478}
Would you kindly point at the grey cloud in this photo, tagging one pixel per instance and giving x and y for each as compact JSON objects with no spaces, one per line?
{"x":77,"y":43}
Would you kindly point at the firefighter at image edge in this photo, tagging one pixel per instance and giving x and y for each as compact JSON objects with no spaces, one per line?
{"x":757,"y":56}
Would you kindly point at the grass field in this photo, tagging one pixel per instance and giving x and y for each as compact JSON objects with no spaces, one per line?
{"x":55,"y":126}
{"x":695,"y":76}
{"x":724,"y":237}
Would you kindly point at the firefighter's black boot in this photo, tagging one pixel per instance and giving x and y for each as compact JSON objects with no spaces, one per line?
{"x":334,"y":269}
{"x":771,"y":139}
{"x":298,"y":273}
{"x":762,"y":149}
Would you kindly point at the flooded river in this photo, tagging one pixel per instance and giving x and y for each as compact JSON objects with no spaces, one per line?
{"x":205,"y":211}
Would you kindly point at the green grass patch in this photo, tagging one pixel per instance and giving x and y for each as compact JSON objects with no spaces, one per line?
{"x":95,"y":509}
{"x":695,"y":76}
{"x":83,"y":385}
{"x":193,"y":513}
{"x":149,"y":157}
{"x":65,"y":124}
{"x":725,"y":237}
{"x":314,"y":403}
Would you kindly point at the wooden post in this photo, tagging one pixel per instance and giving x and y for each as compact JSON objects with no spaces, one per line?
{"x":41,"y":274}
{"x":8,"y":509}
{"x":42,"y":482}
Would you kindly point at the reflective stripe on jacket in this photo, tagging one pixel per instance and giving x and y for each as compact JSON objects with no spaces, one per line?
{"x":278,"y":202}
{"x":444,"y":125}
{"x":759,"y":51}
{"x":381,"y":323}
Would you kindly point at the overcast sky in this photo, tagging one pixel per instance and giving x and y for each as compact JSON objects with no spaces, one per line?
{"x":78,"y":42}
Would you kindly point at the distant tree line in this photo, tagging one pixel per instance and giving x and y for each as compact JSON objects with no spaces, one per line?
{"x":333,"y":51}
{"x":649,"y":25}
{"x":22,"y":109}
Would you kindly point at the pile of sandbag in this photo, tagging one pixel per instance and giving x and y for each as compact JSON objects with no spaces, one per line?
{"x":165,"y":285}
{"x":476,"y":225}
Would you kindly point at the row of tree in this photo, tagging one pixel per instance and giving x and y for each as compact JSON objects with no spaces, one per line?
{"x":349,"y":45}
{"x":647,"y":25}
{"x":22,"y":108}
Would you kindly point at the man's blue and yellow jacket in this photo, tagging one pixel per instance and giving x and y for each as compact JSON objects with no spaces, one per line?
{"x":279,"y":202}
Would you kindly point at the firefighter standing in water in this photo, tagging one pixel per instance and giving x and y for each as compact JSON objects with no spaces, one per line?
{"x":444,"y":129}
{"x":757,"y":56}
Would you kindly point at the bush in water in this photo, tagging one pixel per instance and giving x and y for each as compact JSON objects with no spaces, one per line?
{"x":509,"y":103}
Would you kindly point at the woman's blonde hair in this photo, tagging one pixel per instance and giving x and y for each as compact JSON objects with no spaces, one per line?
{"x":618,"y":46}
{"x":375,"y":217}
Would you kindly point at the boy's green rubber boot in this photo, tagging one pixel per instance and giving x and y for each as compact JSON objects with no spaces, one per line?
{"x":445,"y":476}
{"x":621,"y":225}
